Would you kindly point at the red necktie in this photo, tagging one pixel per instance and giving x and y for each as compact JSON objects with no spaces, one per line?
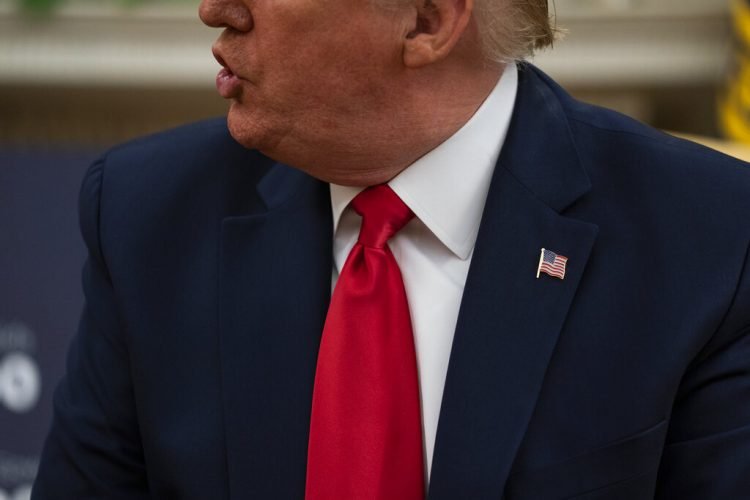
{"x":365,"y":430}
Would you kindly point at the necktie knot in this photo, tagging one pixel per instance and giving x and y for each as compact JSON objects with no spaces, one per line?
{"x":383,"y":215}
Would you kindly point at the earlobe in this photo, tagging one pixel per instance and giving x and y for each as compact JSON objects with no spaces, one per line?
{"x":436,"y":29}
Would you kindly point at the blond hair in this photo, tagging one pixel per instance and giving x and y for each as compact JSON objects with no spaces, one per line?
{"x":511,"y":30}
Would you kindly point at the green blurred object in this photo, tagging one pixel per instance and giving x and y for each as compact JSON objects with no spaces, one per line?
{"x":47,"y":6}
{"x":39,"y":5}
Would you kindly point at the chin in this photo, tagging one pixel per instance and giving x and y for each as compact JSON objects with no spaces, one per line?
{"x":242,"y":128}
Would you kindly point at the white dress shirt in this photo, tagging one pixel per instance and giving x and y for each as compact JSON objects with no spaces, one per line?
{"x":446,"y":189}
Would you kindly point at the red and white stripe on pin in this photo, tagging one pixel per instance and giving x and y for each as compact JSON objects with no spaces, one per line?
{"x":551,"y":264}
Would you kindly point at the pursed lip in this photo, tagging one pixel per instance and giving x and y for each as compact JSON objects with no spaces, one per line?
{"x":228,"y":83}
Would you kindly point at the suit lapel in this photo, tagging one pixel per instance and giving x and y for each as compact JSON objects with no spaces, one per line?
{"x":275,"y":278}
{"x":509,"y":320}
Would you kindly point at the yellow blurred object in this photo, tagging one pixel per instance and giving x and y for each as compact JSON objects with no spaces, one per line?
{"x":734,"y":106}
{"x":741,"y":17}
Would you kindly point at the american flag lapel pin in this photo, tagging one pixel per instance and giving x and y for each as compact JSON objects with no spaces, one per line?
{"x":552,"y":264}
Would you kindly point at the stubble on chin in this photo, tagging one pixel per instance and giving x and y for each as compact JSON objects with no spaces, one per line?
{"x":243,"y":129}
{"x":253,"y":132}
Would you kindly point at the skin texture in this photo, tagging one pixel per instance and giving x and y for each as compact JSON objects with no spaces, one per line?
{"x":346,"y":91}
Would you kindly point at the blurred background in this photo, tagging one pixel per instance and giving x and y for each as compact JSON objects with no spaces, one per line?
{"x":77,"y":76}
{"x":91,"y":72}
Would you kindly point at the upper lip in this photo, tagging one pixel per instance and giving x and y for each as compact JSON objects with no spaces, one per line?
{"x":217,"y":55}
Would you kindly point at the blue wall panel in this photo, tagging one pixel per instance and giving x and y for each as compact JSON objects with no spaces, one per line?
{"x":41,"y":254}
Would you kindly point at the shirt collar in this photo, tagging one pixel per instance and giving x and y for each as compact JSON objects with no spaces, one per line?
{"x":447,"y":188}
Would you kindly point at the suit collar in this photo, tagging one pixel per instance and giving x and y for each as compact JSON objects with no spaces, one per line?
{"x":283,"y":184}
{"x":274,"y":288}
{"x":510,"y":321}
{"x":540,"y":150}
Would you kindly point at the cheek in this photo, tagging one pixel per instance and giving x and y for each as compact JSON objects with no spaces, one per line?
{"x":323,"y":74}
{"x":325,"y":50}
{"x":341,"y":69}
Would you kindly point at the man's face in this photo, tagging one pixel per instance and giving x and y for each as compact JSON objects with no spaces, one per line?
{"x":305,"y":73}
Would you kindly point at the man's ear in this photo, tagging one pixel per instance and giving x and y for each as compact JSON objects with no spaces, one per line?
{"x":437,"y":27}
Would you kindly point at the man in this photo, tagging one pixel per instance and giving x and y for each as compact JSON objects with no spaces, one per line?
{"x":546,"y":300}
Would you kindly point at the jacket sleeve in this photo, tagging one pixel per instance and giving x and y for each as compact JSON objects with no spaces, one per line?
{"x":94,"y":449}
{"x":707,"y":454}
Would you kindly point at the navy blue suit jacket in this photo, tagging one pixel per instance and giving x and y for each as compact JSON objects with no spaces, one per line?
{"x":209,"y":277}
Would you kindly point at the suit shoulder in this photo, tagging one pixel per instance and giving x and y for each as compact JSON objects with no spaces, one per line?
{"x":175,"y":163}
{"x":191,"y":173}
{"x":639,"y":174}
{"x":600,"y":130}
{"x":188,"y":144}
{"x":611,"y":143}
{"x":610,"y":127}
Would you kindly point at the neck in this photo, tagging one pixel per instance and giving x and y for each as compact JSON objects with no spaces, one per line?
{"x":427,"y":107}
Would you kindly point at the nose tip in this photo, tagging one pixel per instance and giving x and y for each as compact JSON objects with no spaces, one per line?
{"x":225,"y":14}
{"x":205,"y":13}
